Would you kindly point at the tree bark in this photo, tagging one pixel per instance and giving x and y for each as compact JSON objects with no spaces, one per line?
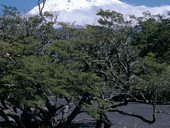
{"x":103,"y":122}
{"x":86,"y":98}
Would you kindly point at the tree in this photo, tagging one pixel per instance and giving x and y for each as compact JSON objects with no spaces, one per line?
{"x":96,"y":68}
{"x":33,"y":69}
{"x":154,"y":38}
{"x":114,"y":58}
{"x":153,"y":42}
{"x":155,"y":83}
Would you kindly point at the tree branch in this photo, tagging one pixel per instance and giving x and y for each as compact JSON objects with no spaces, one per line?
{"x":41,"y":7}
{"x":136,"y":115}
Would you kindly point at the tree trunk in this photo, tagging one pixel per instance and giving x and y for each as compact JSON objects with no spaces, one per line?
{"x":103,"y":122}
{"x":86,"y":98}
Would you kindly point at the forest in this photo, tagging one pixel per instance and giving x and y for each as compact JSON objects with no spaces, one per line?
{"x":49,"y":75}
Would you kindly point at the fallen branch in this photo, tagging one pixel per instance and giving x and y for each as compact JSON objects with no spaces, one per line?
{"x":136,"y":115}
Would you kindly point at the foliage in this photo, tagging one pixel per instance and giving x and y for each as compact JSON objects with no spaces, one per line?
{"x":154,"y":38}
{"x":98,"y":68}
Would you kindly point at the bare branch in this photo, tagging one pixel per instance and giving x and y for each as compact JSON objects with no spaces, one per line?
{"x":114,"y":75}
{"x":41,"y":7}
{"x":136,"y":115}
{"x":119,"y":60}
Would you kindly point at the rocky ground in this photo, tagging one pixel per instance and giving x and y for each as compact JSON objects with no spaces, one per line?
{"x":122,"y":121}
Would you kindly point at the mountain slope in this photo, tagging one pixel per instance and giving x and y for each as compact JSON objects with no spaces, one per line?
{"x":84,"y":11}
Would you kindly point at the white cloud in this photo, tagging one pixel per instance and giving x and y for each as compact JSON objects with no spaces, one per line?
{"x":84,"y":11}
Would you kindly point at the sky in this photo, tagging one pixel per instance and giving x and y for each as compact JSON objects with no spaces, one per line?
{"x":26,"y":5}
{"x":150,"y":3}
{"x":22,"y":5}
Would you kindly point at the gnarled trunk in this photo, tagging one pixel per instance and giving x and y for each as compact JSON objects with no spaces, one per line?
{"x":86,"y":98}
{"x":103,"y":122}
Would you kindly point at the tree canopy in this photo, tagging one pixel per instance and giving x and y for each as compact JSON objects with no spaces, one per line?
{"x":95,"y":68}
